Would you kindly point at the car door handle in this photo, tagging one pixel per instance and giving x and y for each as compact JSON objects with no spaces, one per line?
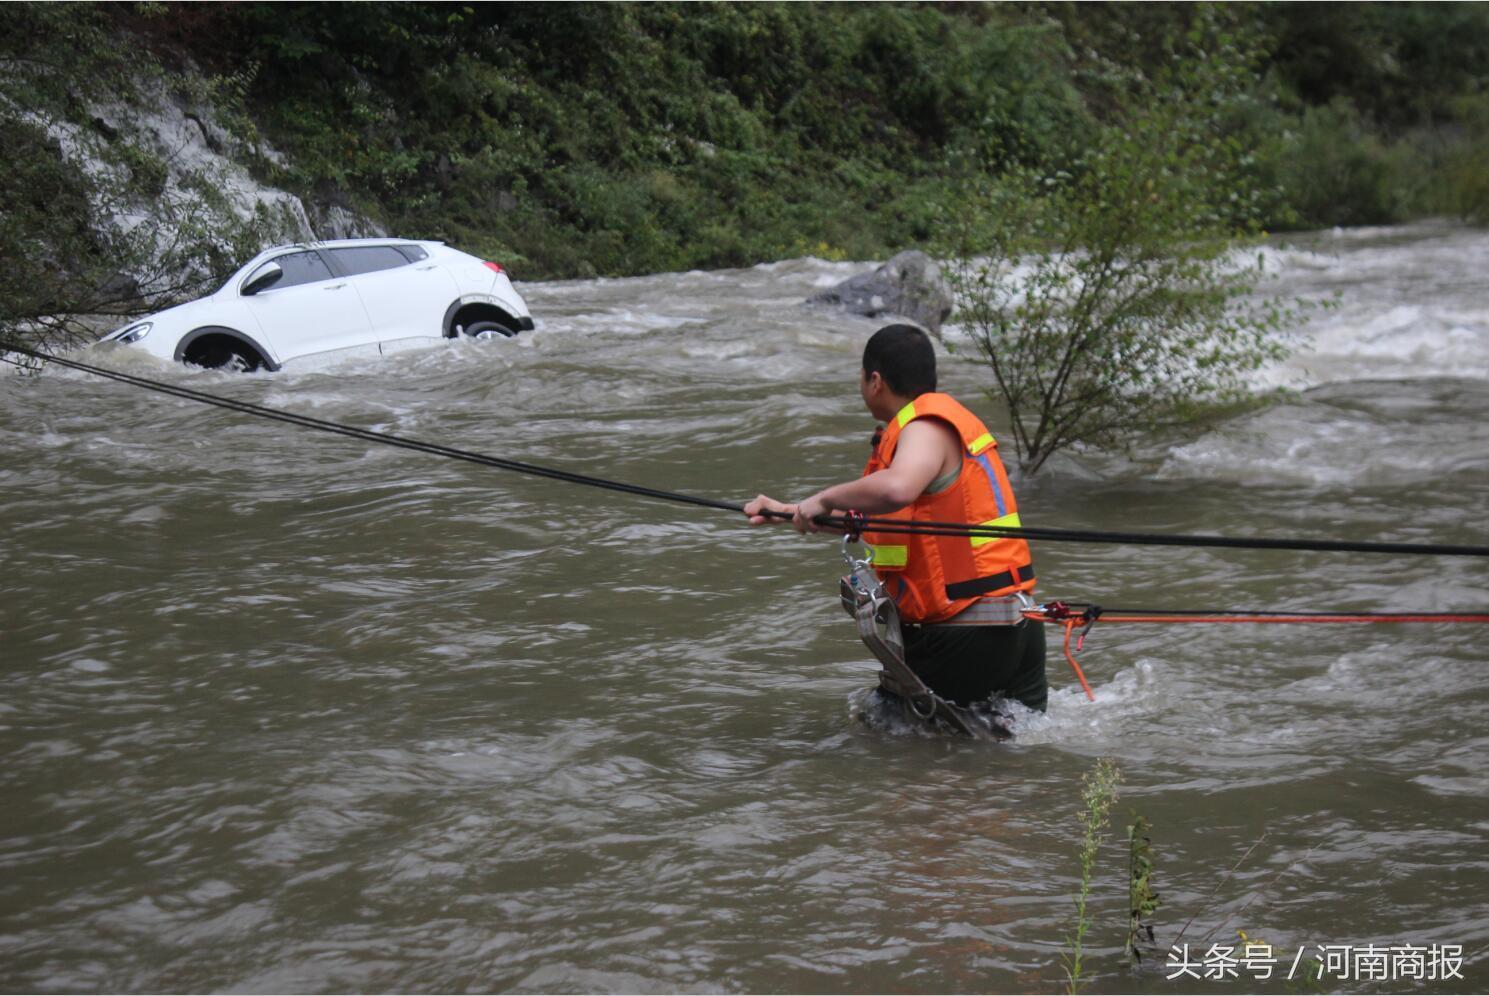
{"x":429,"y":267}
{"x":335,"y":287}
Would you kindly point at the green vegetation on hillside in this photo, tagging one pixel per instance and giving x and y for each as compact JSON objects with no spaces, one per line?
{"x":596,"y":138}
{"x":614,"y":138}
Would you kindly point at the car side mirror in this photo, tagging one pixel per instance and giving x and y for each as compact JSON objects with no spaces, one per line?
{"x":267,"y":276}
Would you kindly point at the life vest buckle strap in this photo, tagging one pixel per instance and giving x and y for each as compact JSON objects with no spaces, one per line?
{"x":992,"y":582}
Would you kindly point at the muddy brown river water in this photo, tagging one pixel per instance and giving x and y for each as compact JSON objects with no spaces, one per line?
{"x":282,"y":711}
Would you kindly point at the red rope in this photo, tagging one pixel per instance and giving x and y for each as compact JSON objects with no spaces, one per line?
{"x":1069,"y":618}
{"x":1111,"y":615}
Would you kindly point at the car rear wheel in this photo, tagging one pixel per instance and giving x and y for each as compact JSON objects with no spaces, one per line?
{"x":488,"y":330}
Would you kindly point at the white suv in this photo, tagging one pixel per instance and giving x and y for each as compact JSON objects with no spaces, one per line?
{"x":366,"y":296}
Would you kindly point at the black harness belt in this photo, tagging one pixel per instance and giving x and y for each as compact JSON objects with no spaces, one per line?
{"x":993,"y":582}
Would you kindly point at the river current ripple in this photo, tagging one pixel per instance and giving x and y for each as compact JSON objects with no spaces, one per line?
{"x":282,"y":711}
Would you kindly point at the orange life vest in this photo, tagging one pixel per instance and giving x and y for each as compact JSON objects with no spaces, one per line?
{"x":932,"y":578}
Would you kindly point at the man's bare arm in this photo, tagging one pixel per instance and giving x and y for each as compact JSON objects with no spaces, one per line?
{"x":923,"y":449}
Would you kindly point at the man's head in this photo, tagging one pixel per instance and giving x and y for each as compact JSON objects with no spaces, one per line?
{"x":898,"y":363}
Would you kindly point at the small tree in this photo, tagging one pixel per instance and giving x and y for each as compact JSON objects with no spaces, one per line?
{"x":1112,"y":296}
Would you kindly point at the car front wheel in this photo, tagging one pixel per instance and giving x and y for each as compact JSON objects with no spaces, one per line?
{"x":220,"y":352}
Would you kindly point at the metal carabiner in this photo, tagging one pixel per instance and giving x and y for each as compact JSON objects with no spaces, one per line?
{"x":1092,"y":613}
{"x":858,"y":564}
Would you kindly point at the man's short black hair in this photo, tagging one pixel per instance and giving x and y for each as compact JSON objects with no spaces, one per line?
{"x":904,"y":357}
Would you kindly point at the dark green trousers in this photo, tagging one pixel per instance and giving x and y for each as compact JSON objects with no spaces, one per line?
{"x":966,"y":664}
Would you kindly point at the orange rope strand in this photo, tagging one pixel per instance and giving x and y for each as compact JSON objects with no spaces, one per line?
{"x":1070,"y":625}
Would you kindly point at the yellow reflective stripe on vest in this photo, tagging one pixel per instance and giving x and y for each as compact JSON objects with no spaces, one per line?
{"x":889,"y":557}
{"x":1011,"y":520}
{"x":981,"y":443}
{"x":906,"y":414}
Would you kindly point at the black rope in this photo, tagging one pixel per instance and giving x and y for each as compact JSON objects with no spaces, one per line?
{"x":850,"y":523}
{"x":372,"y":435}
{"x":873,"y":524}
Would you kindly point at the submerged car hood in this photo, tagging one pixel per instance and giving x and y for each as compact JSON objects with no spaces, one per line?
{"x":200,"y":311}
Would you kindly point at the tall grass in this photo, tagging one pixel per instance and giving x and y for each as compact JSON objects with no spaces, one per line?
{"x":1097,"y":796}
{"x":1142,"y":901}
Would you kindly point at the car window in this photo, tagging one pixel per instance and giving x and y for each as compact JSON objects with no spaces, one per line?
{"x":299,"y":268}
{"x":368,"y":259}
{"x":414,"y":253}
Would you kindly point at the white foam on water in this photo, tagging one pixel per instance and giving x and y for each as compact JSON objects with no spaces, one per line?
{"x":1378,"y":366}
{"x":1409,"y":305}
{"x":1380,"y":303}
{"x":1474,"y":787}
{"x":1132,"y":695}
{"x":1365,"y":433}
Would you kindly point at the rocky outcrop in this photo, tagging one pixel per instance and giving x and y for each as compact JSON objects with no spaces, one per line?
{"x":909,"y":285}
{"x":157,"y":199}
{"x":204,"y":169}
{"x":172,"y":190}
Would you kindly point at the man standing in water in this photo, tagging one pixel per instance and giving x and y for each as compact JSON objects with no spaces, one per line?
{"x":958,"y":596}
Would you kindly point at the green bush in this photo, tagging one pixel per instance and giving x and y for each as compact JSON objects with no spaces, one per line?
{"x":1465,"y":188}
{"x":1334,"y":171}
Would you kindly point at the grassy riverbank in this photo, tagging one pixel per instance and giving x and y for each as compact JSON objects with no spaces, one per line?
{"x":576,"y":140}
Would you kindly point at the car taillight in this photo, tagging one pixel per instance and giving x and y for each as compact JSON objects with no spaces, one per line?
{"x":493,"y":267}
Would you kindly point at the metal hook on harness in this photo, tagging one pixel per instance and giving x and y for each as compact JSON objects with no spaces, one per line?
{"x":1092,"y":613}
{"x":924,"y":706}
{"x":878,"y":621}
{"x":864,"y":563}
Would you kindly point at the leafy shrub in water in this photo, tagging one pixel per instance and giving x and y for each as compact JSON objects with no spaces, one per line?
{"x":1109,"y":298}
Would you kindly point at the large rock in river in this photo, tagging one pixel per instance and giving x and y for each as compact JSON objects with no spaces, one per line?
{"x":909,"y":285}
